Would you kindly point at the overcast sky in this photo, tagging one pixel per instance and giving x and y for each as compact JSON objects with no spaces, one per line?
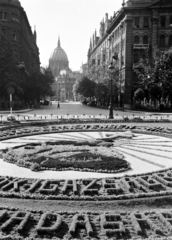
{"x":73,"y":20}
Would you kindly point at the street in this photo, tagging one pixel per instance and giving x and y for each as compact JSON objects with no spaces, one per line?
{"x":77,"y":108}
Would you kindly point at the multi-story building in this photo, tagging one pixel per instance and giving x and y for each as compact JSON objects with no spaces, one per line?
{"x":138,"y":27}
{"x":63,"y":86}
{"x":14,"y":24}
{"x":84,"y":69}
{"x":64,"y":77}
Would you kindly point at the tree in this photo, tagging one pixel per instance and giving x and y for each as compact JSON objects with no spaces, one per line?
{"x":139,"y":94}
{"x":75,"y":87}
{"x":39,"y":85}
{"x":101,"y":92}
{"x":86,"y":87}
{"x":157,"y":77}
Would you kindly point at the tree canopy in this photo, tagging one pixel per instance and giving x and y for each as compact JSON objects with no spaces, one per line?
{"x":157,"y":77}
{"x":86,"y":87}
{"x":39,"y":85}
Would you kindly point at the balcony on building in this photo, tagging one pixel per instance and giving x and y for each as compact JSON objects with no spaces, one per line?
{"x":140,"y":46}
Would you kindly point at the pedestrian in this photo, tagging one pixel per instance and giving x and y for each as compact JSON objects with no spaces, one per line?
{"x":58,"y":106}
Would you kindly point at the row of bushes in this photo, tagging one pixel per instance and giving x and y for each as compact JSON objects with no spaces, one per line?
{"x":85,"y":197}
{"x":104,"y":225}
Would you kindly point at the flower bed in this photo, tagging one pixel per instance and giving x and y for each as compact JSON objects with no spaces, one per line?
{"x":137,"y":186}
{"x":36,"y":128}
{"x":140,"y":186}
{"x":94,"y":156}
{"x":21,"y":224}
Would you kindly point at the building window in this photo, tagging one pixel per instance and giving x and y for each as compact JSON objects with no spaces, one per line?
{"x":144,"y":57}
{"x":117,"y":47}
{"x":122,"y":44}
{"x":14,"y":36}
{"x":162,"y":41}
{"x":163,"y":21}
{"x":146,"y":22}
{"x":136,"y":58}
{"x":136,"y":39}
{"x":14,"y":17}
{"x":117,"y":32}
{"x":93,"y":61}
{"x":136,"y":22}
{"x":170,"y":41}
{"x":171,"y":21}
{"x":145,"y":39}
{"x":122,"y":60}
{"x":3,"y":16}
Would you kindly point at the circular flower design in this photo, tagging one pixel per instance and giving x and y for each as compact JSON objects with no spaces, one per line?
{"x":95,"y":155}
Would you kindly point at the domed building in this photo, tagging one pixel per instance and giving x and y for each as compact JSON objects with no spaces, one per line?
{"x":64,"y":77}
{"x":11,"y":1}
{"x":15,"y":27}
{"x":58,"y":60}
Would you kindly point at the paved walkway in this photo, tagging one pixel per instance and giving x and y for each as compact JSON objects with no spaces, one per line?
{"x":145,"y":153}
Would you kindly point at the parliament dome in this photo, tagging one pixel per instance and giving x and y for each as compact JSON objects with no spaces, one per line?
{"x":16,"y":2}
{"x":58,"y":60}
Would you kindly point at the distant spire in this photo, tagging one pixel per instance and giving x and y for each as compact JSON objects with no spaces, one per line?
{"x":58,"y":41}
{"x":123,"y":4}
{"x":35,"y":35}
{"x":90,"y":44}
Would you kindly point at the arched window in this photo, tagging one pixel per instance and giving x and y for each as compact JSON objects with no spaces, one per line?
{"x":136,"y":39}
{"x":136,"y":58}
{"x":162,"y":41}
{"x":170,"y":41}
{"x":145,"y":39}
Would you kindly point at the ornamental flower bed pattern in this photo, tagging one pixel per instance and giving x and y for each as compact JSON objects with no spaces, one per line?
{"x":29,"y":129}
{"x":95,"y":155}
{"x":22,"y":224}
{"x":140,"y":186}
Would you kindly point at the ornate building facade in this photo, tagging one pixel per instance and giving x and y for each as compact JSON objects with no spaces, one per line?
{"x":138,"y":26}
{"x":14,"y":24}
{"x":64,"y":77}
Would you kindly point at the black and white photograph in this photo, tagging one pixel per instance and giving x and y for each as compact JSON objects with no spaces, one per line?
{"x":85,"y":120}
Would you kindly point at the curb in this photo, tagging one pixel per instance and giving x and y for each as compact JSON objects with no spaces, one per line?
{"x":17,"y":111}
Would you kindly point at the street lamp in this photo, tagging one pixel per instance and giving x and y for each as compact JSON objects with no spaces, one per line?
{"x":111,"y":68}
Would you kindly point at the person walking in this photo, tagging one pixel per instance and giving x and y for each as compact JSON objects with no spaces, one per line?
{"x":58,"y":105}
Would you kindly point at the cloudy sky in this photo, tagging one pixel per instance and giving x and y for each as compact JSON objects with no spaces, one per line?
{"x":73,"y":20}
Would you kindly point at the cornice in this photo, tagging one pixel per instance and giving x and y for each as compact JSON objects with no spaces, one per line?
{"x":116,"y":20}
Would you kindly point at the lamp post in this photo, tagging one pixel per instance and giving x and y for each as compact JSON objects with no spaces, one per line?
{"x":10,"y":91}
{"x":111,"y":68}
